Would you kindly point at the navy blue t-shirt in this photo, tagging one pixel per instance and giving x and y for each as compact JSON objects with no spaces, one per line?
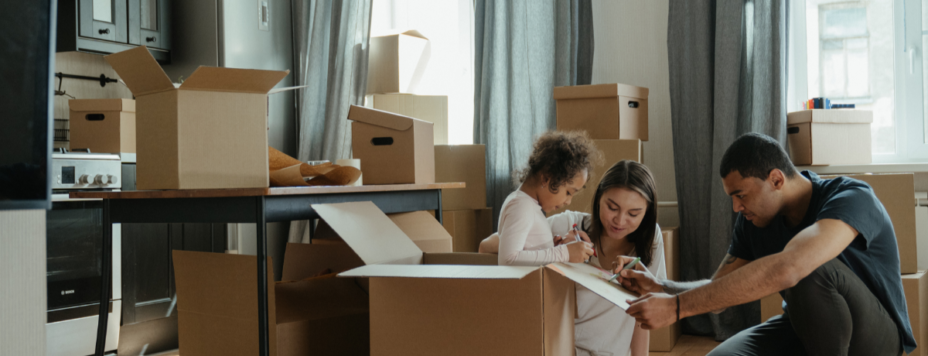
{"x":873,"y":255}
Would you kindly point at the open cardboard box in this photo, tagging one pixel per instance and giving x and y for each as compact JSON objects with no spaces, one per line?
{"x":457,"y":303}
{"x":217,"y":298}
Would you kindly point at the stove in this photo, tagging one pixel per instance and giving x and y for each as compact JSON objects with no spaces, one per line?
{"x":74,"y":237}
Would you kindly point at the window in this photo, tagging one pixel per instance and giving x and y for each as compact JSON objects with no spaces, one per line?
{"x":867,"y":53}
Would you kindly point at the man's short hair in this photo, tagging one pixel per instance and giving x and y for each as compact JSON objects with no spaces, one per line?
{"x":756,"y":155}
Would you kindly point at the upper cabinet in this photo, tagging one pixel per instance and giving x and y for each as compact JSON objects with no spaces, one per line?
{"x":111,"y":26}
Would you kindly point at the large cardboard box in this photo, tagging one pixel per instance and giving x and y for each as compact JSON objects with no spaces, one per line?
{"x":665,"y":338}
{"x":468,"y":227}
{"x":915,"y":287}
{"x":613,"y":152}
{"x":462,"y":163}
{"x":770,"y":306}
{"x":897,"y":194}
{"x":217,"y":296}
{"x":102,"y":125}
{"x":393,"y":149}
{"x":431,"y":108}
{"x":921,"y":235}
{"x":829,"y":137}
{"x":209,"y":133}
{"x":397,"y":62}
{"x":438,"y":304}
{"x":605,"y":111}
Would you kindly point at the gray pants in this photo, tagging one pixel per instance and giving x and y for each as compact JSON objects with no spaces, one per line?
{"x":830,"y":312}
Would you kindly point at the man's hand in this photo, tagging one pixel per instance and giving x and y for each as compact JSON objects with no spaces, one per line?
{"x":654,"y":311}
{"x":637,"y":280}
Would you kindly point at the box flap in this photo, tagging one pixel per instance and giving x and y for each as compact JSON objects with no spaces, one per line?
{"x":285,"y":89}
{"x":381,"y":118}
{"x":101,"y":105}
{"x":599,"y":91}
{"x":140,"y":71}
{"x":833,"y":116}
{"x":441,"y":271}
{"x":461,"y":258}
{"x":302,"y":261}
{"x":233,"y":80}
{"x":595,"y":280}
{"x":426,"y":232}
{"x":370,"y":233}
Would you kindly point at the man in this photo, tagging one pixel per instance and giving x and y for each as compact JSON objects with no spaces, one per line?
{"x":827,"y":246}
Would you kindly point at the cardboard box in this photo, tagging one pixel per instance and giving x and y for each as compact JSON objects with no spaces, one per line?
{"x":468,"y":227}
{"x":102,"y":125}
{"x":605,"y":111}
{"x":613,"y":152}
{"x":897,"y":194}
{"x":209,"y":133}
{"x":217,"y":296}
{"x":665,"y":338}
{"x":828,"y":137}
{"x":396,"y":62}
{"x":770,"y":306}
{"x":420,"y":226}
{"x":438,"y":304}
{"x":393,"y":149}
{"x":431,"y":108}
{"x":921,"y":235}
{"x":915,"y":287}
{"x":462,"y":163}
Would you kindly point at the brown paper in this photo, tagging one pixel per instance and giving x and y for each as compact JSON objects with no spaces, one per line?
{"x":286,"y":171}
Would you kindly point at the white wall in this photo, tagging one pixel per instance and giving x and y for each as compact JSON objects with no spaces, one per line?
{"x":22,"y":283}
{"x":631,"y":48}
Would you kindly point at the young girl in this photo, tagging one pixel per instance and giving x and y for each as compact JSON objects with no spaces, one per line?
{"x":558,"y":168}
{"x":623,"y":223}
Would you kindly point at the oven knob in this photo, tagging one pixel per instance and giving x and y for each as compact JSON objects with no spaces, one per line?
{"x":84,"y":179}
{"x":111,"y":179}
{"x":98,"y":179}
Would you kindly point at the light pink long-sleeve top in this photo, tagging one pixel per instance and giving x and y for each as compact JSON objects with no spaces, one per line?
{"x":525,"y":237}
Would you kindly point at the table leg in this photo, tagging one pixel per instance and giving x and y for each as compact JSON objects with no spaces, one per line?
{"x":438,"y":211}
{"x":105,"y":280}
{"x":261,"y":238}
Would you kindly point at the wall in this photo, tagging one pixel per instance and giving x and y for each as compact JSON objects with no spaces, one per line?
{"x":22,"y":282}
{"x":631,"y":48}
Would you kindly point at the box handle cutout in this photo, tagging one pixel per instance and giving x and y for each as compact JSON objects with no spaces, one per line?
{"x":382,"y":141}
{"x":94,"y":117}
{"x":633,"y":104}
{"x":792,"y":130}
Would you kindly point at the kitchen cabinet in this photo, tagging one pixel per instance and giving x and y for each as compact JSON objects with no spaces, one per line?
{"x":110,"y":26}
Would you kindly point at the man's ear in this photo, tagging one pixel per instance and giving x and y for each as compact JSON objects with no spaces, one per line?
{"x":777,"y":178}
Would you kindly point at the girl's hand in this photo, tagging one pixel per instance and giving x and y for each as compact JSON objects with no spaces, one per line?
{"x":579,"y":251}
{"x":571,"y":237}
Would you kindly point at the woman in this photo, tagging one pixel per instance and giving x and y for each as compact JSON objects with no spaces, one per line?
{"x":623,"y":223}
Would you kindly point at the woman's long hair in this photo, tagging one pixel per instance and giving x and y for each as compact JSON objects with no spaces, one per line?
{"x":636,"y":177}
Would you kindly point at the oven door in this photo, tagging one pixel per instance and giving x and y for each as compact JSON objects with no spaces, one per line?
{"x":74,"y":235}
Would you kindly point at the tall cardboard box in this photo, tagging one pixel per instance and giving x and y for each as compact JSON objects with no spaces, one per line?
{"x":613,"y":152}
{"x":438,"y":304}
{"x":921,"y":227}
{"x":915,"y":287}
{"x":829,"y":137}
{"x":431,"y":108}
{"x":209,"y":133}
{"x":217,"y":296}
{"x":897,"y":194}
{"x":396,"y":62}
{"x":393,"y":149}
{"x":770,"y":306}
{"x":665,"y":338}
{"x":468,"y":227}
{"x":462,"y":163}
{"x":605,"y":111}
{"x":102,"y":125}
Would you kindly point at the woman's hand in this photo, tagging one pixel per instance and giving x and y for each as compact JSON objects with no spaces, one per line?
{"x":637,"y":279}
{"x":579,"y":251}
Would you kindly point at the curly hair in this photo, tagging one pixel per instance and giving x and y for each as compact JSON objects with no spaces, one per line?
{"x":560,"y":156}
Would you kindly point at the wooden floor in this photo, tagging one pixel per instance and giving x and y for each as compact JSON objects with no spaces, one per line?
{"x":690,"y":345}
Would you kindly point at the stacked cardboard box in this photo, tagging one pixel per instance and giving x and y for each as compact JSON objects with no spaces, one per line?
{"x":828,"y":137}
{"x":465,"y":213}
{"x":103,"y":125}
{"x":665,"y":338}
{"x":393,"y":149}
{"x":397,"y":62}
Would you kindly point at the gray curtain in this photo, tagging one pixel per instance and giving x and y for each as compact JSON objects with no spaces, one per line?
{"x":524,"y":48}
{"x":727,"y":77}
{"x":330,"y":48}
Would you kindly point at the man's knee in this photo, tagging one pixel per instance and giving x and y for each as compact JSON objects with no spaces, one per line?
{"x":822,"y":279}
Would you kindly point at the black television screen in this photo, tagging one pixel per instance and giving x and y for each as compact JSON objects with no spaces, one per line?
{"x":27,"y":37}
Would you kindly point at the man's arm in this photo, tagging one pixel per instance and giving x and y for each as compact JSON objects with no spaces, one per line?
{"x":728,"y":265}
{"x":811,"y":248}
